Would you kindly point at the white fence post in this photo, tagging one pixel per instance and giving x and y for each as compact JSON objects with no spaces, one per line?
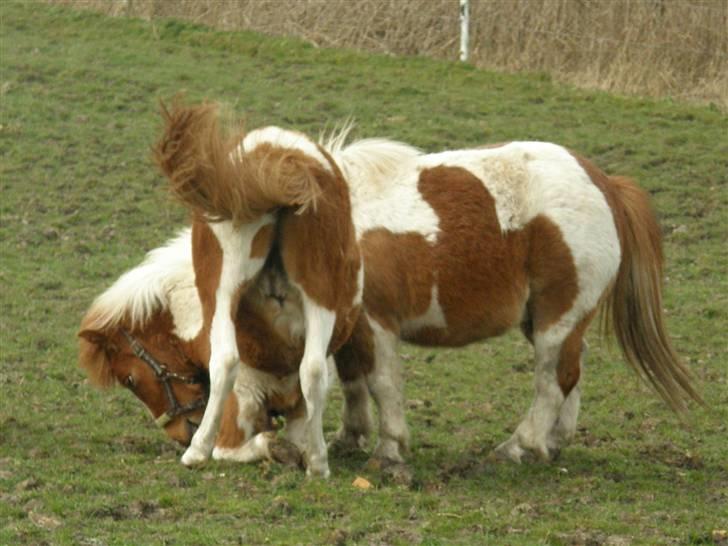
{"x":464,"y":27}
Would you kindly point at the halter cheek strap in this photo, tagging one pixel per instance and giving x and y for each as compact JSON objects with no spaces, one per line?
{"x":165,"y":377}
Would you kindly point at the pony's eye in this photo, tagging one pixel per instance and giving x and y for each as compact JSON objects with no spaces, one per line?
{"x":129,"y":382}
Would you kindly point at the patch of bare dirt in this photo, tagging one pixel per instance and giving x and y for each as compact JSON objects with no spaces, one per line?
{"x":134,"y":510}
{"x":671,"y":455}
{"x":583,"y":537}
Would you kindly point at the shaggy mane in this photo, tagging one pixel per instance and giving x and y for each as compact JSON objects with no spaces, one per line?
{"x":370,"y":162}
{"x":141,"y":291}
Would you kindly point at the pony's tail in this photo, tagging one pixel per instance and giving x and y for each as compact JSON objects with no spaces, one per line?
{"x":635,"y":302}
{"x":210,"y":174}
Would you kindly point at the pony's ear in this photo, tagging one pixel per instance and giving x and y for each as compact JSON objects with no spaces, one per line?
{"x":94,"y":350}
{"x":94,"y":336}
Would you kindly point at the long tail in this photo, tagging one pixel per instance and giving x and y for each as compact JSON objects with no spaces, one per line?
{"x":210,"y":174}
{"x":636,"y":299}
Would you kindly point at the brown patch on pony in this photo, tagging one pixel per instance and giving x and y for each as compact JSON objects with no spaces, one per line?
{"x":553,"y":279}
{"x":207,"y":262}
{"x":230,"y":434}
{"x":209,"y":175}
{"x":262,"y":241}
{"x":355,"y":358}
{"x":481,"y":275}
{"x":320,"y":252}
{"x":287,"y":403}
{"x":398,"y":276}
{"x":259,"y":344}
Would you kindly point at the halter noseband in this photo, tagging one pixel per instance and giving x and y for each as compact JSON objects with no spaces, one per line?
{"x":165,"y":377}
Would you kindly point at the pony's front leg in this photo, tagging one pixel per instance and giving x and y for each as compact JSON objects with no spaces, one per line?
{"x":224,"y":366}
{"x":315,"y":383}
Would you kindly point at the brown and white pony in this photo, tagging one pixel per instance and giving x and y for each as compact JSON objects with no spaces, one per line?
{"x":273,"y":191}
{"x":463,"y":245}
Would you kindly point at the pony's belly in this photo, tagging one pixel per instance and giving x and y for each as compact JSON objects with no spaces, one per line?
{"x":466,"y":324}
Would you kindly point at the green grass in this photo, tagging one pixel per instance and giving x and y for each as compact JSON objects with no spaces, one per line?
{"x":80,"y":203}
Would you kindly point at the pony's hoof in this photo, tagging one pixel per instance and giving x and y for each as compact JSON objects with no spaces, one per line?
{"x":347,"y":441}
{"x":194,"y":457}
{"x":509,"y":451}
{"x":554,"y":454}
{"x":394,"y":472}
{"x":317,"y":466}
{"x":316,"y":473}
{"x":388,"y":450}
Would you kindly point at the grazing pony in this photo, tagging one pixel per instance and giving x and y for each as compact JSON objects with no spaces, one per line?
{"x":271,"y":191}
{"x":463,"y":245}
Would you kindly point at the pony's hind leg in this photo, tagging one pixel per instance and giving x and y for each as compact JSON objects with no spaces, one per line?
{"x":386,"y":387}
{"x":314,"y":376}
{"x":356,"y":420}
{"x":354,"y":361}
{"x":564,"y":429}
{"x":558,"y":367}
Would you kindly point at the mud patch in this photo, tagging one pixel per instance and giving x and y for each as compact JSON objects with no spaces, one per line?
{"x":135,"y":510}
{"x":673,"y":456}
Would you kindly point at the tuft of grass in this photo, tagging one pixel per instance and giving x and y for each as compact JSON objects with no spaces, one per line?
{"x":81,"y":202}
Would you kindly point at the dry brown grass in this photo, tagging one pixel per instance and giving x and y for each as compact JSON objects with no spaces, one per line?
{"x":676,"y":48}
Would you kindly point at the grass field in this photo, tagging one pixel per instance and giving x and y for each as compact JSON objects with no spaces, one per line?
{"x":80,"y":203}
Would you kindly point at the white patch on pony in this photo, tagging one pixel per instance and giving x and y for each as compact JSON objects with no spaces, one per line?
{"x":186,"y":309}
{"x":434,"y":317}
{"x":141,"y":291}
{"x":397,"y":207}
{"x":284,"y":138}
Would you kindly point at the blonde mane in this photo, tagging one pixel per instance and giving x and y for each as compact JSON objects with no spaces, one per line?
{"x":141,"y":291}
{"x":369,"y":163}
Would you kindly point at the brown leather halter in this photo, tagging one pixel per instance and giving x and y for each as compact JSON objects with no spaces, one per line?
{"x":165,"y":377}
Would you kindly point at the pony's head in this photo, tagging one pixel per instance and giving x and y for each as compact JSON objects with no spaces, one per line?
{"x":141,"y":333}
{"x":154,"y":364}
